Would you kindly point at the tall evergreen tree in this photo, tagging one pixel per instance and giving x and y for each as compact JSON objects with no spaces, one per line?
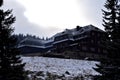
{"x":1,"y":2}
{"x":109,"y":68}
{"x":11,"y":67}
{"x":109,"y":17}
{"x":118,"y":21}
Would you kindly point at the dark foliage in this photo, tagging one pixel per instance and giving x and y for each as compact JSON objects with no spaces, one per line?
{"x":1,"y":2}
{"x":21,"y":37}
{"x":11,"y":67}
{"x":109,"y":68}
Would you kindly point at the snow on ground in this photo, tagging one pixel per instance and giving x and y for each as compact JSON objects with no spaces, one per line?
{"x":60,"y":66}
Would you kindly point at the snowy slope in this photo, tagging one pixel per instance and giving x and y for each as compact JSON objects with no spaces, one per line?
{"x":60,"y":66}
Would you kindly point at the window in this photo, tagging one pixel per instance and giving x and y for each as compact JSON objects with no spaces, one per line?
{"x":104,"y":51}
{"x":93,"y":33}
{"x":81,"y":30}
{"x":92,"y":49}
{"x":98,"y":50}
{"x":98,"y":35}
{"x":92,"y":41}
{"x":84,"y":48}
{"x":98,"y":42}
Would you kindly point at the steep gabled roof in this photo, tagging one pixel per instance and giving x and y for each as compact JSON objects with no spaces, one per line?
{"x":48,"y":43}
{"x":35,"y":43}
{"x":74,"y":31}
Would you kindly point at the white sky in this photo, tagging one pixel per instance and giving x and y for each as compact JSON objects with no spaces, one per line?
{"x":56,"y":15}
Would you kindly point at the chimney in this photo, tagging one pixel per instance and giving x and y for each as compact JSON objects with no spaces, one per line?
{"x":78,"y":28}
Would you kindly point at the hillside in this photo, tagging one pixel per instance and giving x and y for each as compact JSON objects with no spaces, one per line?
{"x":60,"y":66}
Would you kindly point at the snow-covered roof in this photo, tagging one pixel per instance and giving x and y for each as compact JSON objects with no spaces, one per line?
{"x":49,"y":43}
{"x":80,"y":31}
{"x":91,"y":27}
{"x":36,"y":43}
{"x":66,"y":31}
{"x":35,"y":46}
{"x":61,"y":41}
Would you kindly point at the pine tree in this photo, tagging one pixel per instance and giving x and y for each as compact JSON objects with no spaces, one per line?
{"x":118,"y":21}
{"x":1,"y":2}
{"x":109,"y":17}
{"x":11,"y":67}
{"x":109,"y":68}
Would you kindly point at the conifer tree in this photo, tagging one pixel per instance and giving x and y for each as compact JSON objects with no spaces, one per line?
{"x":109,"y":17}
{"x":11,"y":67}
{"x":109,"y":68}
{"x":118,"y":21}
{"x":1,"y":2}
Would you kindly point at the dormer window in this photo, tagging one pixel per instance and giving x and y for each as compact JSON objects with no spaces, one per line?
{"x":81,"y":30}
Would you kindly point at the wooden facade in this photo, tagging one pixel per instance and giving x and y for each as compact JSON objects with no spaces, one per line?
{"x":83,"y":40}
{"x":86,"y":41}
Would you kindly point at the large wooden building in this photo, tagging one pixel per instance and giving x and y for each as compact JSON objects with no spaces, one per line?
{"x":32,"y":46}
{"x":85,"y":40}
{"x":82,"y":38}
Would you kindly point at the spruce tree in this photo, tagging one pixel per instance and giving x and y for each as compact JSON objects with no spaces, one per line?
{"x":117,"y":36}
{"x":11,"y":67}
{"x":1,"y":2}
{"x":109,"y":17}
{"x":109,"y":68}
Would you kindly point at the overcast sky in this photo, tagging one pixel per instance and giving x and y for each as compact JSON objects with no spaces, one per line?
{"x":47,"y":17}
